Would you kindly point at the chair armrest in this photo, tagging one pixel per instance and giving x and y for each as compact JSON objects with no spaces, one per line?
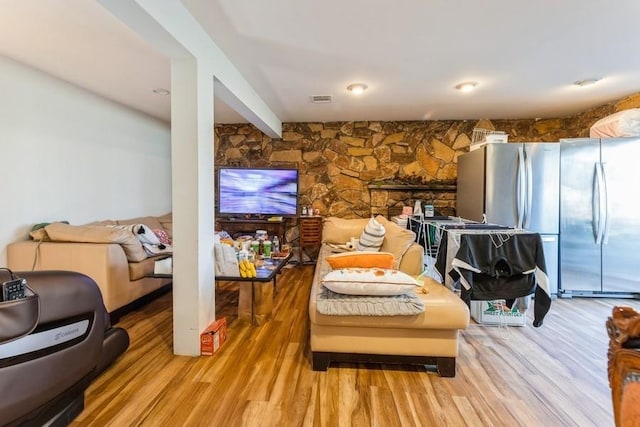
{"x":65,"y":294}
{"x":412,"y":261}
{"x":18,"y":317}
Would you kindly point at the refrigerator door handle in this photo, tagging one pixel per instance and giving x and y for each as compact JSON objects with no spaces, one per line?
{"x":520,"y":189}
{"x":599,"y":181}
{"x":529,"y":193}
{"x":605,"y":204}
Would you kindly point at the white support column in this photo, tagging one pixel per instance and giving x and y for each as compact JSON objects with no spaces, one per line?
{"x":193,"y":203}
{"x":195,"y":62}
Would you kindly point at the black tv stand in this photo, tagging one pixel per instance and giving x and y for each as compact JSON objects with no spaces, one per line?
{"x":239,"y":226}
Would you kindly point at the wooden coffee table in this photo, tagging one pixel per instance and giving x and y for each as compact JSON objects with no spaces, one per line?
{"x":256,"y":305}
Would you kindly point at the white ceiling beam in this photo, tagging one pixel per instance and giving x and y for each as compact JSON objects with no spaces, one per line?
{"x":169,"y":27}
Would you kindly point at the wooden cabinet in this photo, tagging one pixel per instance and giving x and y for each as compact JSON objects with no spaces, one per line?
{"x":310,"y":230}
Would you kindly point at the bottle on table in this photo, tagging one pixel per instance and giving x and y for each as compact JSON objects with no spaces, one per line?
{"x":276,"y":244}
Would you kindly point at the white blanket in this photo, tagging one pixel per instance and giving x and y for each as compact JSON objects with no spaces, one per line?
{"x":334,"y":304}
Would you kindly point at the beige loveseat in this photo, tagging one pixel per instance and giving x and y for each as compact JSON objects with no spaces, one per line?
{"x":112,"y":259}
{"x":430,"y":338}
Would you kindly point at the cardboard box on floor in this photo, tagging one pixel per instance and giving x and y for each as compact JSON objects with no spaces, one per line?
{"x":496,"y":313}
{"x":213,"y":337}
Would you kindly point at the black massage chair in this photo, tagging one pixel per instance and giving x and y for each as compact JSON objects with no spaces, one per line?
{"x":54,"y":340}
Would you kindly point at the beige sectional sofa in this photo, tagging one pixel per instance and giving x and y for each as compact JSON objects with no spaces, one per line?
{"x":430,"y":338}
{"x":118,"y":264}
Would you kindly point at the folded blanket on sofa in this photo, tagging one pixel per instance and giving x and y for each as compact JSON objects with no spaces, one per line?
{"x":335,"y":304}
{"x":150,"y":241}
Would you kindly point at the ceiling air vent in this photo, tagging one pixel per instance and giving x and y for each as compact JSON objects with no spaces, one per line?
{"x":321,"y":99}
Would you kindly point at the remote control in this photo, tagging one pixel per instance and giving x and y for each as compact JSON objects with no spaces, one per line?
{"x":13,"y":289}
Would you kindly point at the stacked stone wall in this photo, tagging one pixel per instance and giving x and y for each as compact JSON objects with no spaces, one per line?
{"x":339,"y":160}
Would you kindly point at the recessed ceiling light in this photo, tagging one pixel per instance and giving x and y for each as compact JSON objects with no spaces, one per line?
{"x":466,"y":86}
{"x":357,"y":88}
{"x":587,"y":82}
{"x":161,"y":91}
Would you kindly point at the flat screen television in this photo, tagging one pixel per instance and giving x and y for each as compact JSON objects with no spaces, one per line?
{"x":257,"y":191}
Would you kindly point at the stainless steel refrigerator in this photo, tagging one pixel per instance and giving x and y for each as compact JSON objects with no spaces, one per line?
{"x":514,"y":184}
{"x":600,"y":216}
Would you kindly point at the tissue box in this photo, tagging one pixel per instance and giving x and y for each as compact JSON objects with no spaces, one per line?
{"x":213,"y":337}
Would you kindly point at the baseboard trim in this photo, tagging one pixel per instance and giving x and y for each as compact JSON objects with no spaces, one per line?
{"x":446,"y":366}
{"x":134,"y":305}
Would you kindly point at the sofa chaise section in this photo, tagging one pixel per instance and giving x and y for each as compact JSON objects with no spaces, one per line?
{"x":430,"y":338}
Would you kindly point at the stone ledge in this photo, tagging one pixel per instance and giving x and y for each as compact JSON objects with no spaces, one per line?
{"x":434,"y":187}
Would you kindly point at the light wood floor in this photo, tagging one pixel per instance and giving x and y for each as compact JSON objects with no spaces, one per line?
{"x":517,"y":376}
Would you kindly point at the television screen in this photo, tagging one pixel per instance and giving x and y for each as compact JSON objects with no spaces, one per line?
{"x":257,"y":191}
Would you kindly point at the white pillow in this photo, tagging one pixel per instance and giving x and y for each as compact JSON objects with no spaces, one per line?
{"x":372,"y":236}
{"x":369,"y":281}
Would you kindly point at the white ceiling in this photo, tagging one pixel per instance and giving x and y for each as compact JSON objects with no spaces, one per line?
{"x":525,"y":55}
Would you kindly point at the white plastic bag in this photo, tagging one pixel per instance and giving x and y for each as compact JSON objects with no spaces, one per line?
{"x":225,"y":260}
{"x":621,"y":124}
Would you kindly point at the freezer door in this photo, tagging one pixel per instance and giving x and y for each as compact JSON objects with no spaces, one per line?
{"x":621,"y":237}
{"x":504,"y":196}
{"x":550,"y":247}
{"x":543,"y":187}
{"x":470,"y":185}
{"x":579,"y":254}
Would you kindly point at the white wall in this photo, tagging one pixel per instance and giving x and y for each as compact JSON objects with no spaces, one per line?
{"x":67,"y":154}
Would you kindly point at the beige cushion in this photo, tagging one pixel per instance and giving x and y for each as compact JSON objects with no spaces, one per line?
{"x":369,"y":281}
{"x":168,"y":217}
{"x":132,"y":247}
{"x":397,"y":240}
{"x":103,"y":222}
{"x":412,"y":261}
{"x":150,"y":221}
{"x":167,"y":223}
{"x":339,"y":230}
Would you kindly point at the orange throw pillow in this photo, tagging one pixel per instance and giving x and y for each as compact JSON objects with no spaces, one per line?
{"x":361,"y":259}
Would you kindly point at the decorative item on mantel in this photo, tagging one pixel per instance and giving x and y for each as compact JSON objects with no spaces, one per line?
{"x":413,"y":182}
